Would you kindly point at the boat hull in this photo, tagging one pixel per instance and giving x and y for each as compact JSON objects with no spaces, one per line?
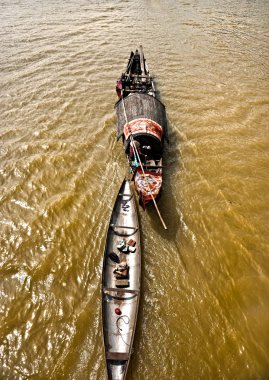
{"x":141,"y":120}
{"x":120,"y":295}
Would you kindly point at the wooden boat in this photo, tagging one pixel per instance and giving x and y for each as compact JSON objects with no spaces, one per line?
{"x":141,"y":119}
{"x":121,"y":283}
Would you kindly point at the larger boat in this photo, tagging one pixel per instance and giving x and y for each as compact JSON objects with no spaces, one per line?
{"x":142,"y":125}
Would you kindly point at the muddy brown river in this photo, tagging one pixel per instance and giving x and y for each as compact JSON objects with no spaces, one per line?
{"x":204,"y":310}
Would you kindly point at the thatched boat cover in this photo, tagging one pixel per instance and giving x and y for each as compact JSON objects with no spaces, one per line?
{"x":139,"y":106}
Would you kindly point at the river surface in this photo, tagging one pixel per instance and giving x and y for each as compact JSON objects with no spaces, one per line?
{"x":204,"y":311}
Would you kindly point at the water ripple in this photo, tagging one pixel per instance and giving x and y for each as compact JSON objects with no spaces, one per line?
{"x":205,"y":280}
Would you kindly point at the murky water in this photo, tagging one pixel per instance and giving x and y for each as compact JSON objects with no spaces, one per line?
{"x":205,"y":292}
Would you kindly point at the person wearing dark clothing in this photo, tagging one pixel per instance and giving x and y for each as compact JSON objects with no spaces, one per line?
{"x":132,"y":150}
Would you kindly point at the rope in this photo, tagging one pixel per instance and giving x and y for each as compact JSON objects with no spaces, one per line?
{"x":119,"y":329}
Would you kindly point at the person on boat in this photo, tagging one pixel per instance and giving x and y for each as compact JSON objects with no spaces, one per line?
{"x":119,"y":88}
{"x":146,"y":150}
{"x":139,"y":151}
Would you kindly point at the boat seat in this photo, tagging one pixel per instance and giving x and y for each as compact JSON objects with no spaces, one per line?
{"x":117,"y":355}
{"x":114,"y":227}
{"x":121,"y":290}
{"x":126,"y":195}
{"x":123,"y":283}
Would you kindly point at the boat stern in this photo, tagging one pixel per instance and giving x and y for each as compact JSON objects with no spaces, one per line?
{"x":117,"y":369}
{"x":147,"y":185}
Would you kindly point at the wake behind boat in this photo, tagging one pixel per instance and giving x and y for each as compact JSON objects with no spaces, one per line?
{"x":121,"y":283}
{"x":141,"y":122}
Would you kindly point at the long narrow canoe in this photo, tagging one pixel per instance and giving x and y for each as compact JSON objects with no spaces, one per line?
{"x":121,"y":283}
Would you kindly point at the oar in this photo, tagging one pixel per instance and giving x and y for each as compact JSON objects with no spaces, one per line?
{"x":144,"y":175}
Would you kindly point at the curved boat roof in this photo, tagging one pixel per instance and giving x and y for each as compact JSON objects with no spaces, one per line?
{"x":139,"y":105}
